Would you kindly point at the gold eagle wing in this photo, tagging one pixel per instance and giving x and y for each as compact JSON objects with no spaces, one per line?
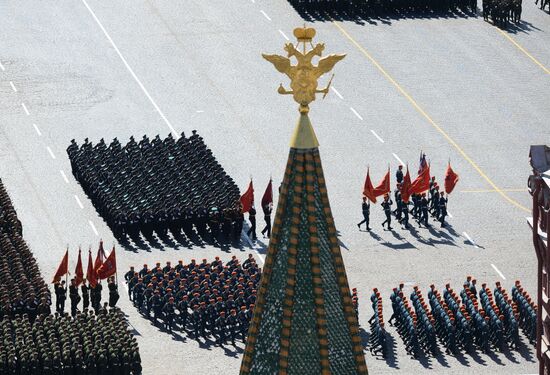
{"x":281,"y":63}
{"x":327,"y":63}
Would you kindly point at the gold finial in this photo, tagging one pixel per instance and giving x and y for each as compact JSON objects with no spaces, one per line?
{"x":304,"y":75}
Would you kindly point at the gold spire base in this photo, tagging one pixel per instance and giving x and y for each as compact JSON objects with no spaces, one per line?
{"x":304,"y":136}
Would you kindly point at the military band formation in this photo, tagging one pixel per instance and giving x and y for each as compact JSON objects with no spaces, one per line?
{"x":157,"y":185}
{"x":32,"y":340}
{"x":466,"y":321}
{"x":207,"y":299}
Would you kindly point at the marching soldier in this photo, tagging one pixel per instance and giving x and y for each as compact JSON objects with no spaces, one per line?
{"x":267,"y":218}
{"x":424,"y":211}
{"x":169,"y":311}
{"x":85,"y":295}
{"x":252,"y":219}
{"x":386,"y":205}
{"x":366,"y":211}
{"x":442,"y":208}
{"x":113,"y":292}
{"x":61,"y":296}
{"x":74,"y":296}
{"x":220,"y":329}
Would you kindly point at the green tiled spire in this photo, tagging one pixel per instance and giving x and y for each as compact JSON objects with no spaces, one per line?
{"x":304,"y":321}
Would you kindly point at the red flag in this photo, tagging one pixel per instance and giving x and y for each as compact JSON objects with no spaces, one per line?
{"x":100,"y":256}
{"x":268,"y":195}
{"x":384,"y":185}
{"x":63,"y":268}
{"x":421,"y":183}
{"x":79,"y":272}
{"x":423,"y":163}
{"x":108,"y":268}
{"x":90,"y":274}
{"x":247,"y":199}
{"x":406,"y":187}
{"x":451,"y":178}
{"x":368,"y":190}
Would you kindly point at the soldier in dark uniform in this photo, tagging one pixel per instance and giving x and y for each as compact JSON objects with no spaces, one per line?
{"x":366,"y":211}
{"x":85,"y":295}
{"x":220,"y":329}
{"x":61,"y":296}
{"x":399,"y":174}
{"x":252,"y":219}
{"x":386,"y":205}
{"x":74,"y":297}
{"x":424,"y":211}
{"x":113,"y":292}
{"x":267,"y":218}
{"x":243,"y":321}
{"x":127,"y":277}
{"x":169,"y":311}
{"x":196,"y":320}
{"x":442,"y":208}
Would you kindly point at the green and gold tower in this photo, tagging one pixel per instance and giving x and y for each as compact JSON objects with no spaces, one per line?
{"x":304,"y":321}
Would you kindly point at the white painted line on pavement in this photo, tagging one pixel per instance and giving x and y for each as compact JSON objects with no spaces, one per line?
{"x":283,"y":34}
{"x":13,"y":87}
{"x":176,"y":135}
{"x":397,"y":157}
{"x":470,"y":239}
{"x":25,"y":109}
{"x":64,"y":176}
{"x":498,"y":271}
{"x":253,"y":2}
{"x":200,"y":111}
{"x":356,"y":114}
{"x":337,"y":93}
{"x":37,"y":130}
{"x":93,"y":227}
{"x":78,"y":201}
{"x":2,"y":66}
{"x":377,"y":136}
{"x":448,"y":213}
{"x":51,"y":152}
{"x":265,"y":15}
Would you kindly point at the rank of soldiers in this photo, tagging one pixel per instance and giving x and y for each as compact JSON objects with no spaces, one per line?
{"x":156,"y":186}
{"x":502,"y":12}
{"x":60,"y":344}
{"x":465,"y":321}
{"x":22,"y":288}
{"x":374,"y":8}
{"x":207,"y":298}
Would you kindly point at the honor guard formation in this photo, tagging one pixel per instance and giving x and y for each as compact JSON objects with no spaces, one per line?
{"x":32,"y":341}
{"x":158,"y":185}
{"x":465,"y":321}
{"x":208,"y":298}
{"x":410,"y":193}
{"x":501,"y":12}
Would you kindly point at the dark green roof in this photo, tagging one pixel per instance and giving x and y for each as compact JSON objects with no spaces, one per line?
{"x":304,"y":321}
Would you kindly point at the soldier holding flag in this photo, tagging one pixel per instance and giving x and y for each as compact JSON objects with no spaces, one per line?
{"x":267,"y":207}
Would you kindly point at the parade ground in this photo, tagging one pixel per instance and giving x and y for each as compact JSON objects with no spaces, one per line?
{"x":454,"y":87}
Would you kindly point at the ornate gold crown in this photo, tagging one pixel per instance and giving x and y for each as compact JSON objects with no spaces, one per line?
{"x":304,"y":34}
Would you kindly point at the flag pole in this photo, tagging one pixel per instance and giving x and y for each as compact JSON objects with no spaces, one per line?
{"x":67,"y":274}
{"x":116,"y":269}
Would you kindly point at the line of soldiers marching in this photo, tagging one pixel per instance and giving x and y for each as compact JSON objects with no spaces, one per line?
{"x":462,"y":321}
{"x":207,"y":298}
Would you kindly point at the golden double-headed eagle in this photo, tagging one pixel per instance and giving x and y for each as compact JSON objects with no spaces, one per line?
{"x":304,"y":75}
